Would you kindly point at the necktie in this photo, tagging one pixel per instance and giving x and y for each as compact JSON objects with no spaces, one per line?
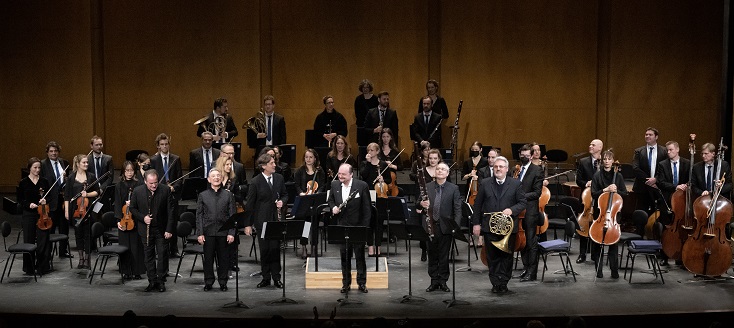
{"x":425,"y":118}
{"x":675,"y":173}
{"x":522,"y":173}
{"x":165,"y":168}
{"x":709,"y":178}
{"x":270,"y":128}
{"x":649,"y":158}
{"x":270,"y":181}
{"x":58,"y":175}
{"x":382,"y":115}
{"x":437,"y":206}
{"x":98,"y":166}
{"x":208,"y":164}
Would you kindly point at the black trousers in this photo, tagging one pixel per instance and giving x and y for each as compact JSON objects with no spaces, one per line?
{"x":83,"y":234}
{"x":33,"y":235}
{"x":346,"y":258}
{"x":499,"y":262}
{"x":60,"y":224}
{"x":156,"y":255}
{"x":530,"y":252}
{"x":611,"y":251}
{"x":438,"y":258}
{"x":269,"y":259}
{"x":216,"y":246}
{"x":133,"y":261}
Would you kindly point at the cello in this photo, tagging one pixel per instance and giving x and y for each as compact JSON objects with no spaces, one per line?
{"x":605,"y":230}
{"x":587,"y":216}
{"x":545,"y":196}
{"x":707,"y":251}
{"x":676,"y":234}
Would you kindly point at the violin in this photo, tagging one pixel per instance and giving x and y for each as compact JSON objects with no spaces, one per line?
{"x":312,"y":186}
{"x":605,"y":230}
{"x":81,"y":205}
{"x":676,"y":234}
{"x":473,"y":189}
{"x":44,"y":220}
{"x":127,"y":223}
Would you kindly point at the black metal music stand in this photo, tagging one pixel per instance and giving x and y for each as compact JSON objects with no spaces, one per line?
{"x":307,"y":206}
{"x":467,"y":211}
{"x":456,"y":234}
{"x":282,"y":231}
{"x":87,"y":216}
{"x":232,"y":224}
{"x":391,"y":208}
{"x":411,"y":232}
{"x":339,"y":234}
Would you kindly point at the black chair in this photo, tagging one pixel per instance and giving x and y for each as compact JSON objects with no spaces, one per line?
{"x":133,"y":154}
{"x":639,"y":219}
{"x":105,"y":252}
{"x":568,"y":210}
{"x":13,"y":250}
{"x":627,"y":172}
{"x":111,"y":232}
{"x":562,"y":247}
{"x":189,"y":238}
{"x":55,"y":238}
{"x":184,"y":230}
{"x":650,"y":249}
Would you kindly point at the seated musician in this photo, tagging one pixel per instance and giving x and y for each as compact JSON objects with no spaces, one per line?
{"x":605,"y":181}
{"x":339,"y":154}
{"x":310,"y":179}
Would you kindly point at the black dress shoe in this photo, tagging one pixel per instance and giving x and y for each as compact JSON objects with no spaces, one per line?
{"x":445,"y":288}
{"x":175,"y":255}
{"x":66,"y":255}
{"x":235,"y":268}
{"x":503,"y":290}
{"x":151,"y":287}
{"x":528,"y":278}
{"x":599,"y":275}
{"x":615,"y":274}
{"x":263,"y":283}
{"x":581,"y":259}
{"x":363,"y":288}
{"x":223,"y":288}
{"x":495,"y":289}
{"x":524,"y":274}
{"x":127,"y":277}
{"x":431,"y":288}
{"x":424,"y":256}
{"x":137,"y":277}
{"x":664,"y":263}
{"x":162,"y":287}
{"x":345,"y":289}
{"x":207,"y":287}
{"x":278,"y":284}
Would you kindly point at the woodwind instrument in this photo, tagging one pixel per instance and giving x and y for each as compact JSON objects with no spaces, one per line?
{"x":150,"y":215}
{"x":430,"y":227}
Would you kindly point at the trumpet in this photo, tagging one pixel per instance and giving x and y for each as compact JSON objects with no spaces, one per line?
{"x":256,"y":123}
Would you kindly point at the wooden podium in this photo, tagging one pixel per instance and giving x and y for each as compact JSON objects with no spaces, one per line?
{"x":329,"y":275}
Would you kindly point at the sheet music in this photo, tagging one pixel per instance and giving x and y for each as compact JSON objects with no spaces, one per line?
{"x":306,"y":229}
{"x":265,"y":227}
{"x":373,"y":195}
{"x":97,"y":207}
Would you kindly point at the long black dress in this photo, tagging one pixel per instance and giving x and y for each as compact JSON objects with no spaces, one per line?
{"x":82,"y":230}
{"x":369,"y":173}
{"x":28,"y":193}
{"x":132,"y":262}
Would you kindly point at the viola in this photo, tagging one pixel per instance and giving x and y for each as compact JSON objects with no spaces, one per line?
{"x":127,"y":223}
{"x":81,"y":205}
{"x":605,"y":230}
{"x":44,"y":220}
{"x":473,"y":189}
{"x":676,"y":234}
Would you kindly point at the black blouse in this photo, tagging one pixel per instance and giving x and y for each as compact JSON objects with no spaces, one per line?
{"x":122,"y":194}
{"x":302,"y":178}
{"x":369,"y":172}
{"x":362,"y":106}
{"x":389,"y":157}
{"x":29,"y":192}
{"x":74,"y":187}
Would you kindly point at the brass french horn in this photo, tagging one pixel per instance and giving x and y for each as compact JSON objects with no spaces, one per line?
{"x":256,"y":123}
{"x":501,"y":225}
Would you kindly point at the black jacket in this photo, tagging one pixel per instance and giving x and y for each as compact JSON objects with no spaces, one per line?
{"x":161,"y":208}
{"x":213,"y":209}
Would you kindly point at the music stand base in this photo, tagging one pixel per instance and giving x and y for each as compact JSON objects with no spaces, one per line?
{"x":282,"y":300}
{"x":411,"y":299}
{"x":452,"y":302}
{"x":464,"y":269}
{"x":236,"y":304}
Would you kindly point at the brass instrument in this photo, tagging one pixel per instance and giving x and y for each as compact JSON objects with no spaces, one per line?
{"x":501,"y":225}
{"x":219,"y":124}
{"x":256,"y":123}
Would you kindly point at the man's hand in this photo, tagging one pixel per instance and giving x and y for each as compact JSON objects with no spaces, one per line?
{"x":147,"y":219}
{"x":248,"y":231}
{"x":335,"y":210}
{"x":507,"y":212}
{"x":167,"y":235}
{"x":681,"y":187}
{"x":425,"y":203}
{"x":650,"y":181}
{"x":261,"y":135}
{"x":588,"y":184}
{"x":201,"y":239}
{"x":230,"y":239}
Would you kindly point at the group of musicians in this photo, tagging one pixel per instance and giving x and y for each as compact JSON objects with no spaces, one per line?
{"x":150,"y":187}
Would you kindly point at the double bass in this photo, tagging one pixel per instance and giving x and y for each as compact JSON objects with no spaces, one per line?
{"x":605,"y":230}
{"x":676,"y":234}
{"x":707,"y":250}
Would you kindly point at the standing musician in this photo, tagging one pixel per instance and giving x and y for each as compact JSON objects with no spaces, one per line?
{"x":388,"y":150}
{"x":370,"y":171}
{"x":102,"y":163}
{"x":204,"y":156}
{"x":426,"y":122}
{"x":275,"y":130}
{"x":75,"y":185}
{"x":239,"y":171}
{"x":474,"y":163}
{"x":215,"y":206}
{"x":152,"y":206}
{"x":363,"y":103}
{"x":54,"y":168}
{"x":438,"y":104}
{"x":339,"y":154}
{"x":227,"y":177}
{"x":536,"y":159}
{"x":282,"y":168}
{"x":644,"y":164}
{"x":356,"y":212}
{"x":265,"y":198}
{"x":602,"y":182}
{"x":498,"y":194}
{"x":310,"y":173}
{"x":487,"y":171}
{"x":132,"y":263}
{"x":588,"y":166}
{"x":531,"y":177}
{"x":230,"y":181}
{"x":381,"y":117}
{"x":671,"y":175}
{"x":703,"y":180}
{"x":168,"y":167}
{"x":31,"y":191}
{"x":329,"y":124}
{"x":142,"y":164}
{"x":219,"y":118}
{"x":445,"y":202}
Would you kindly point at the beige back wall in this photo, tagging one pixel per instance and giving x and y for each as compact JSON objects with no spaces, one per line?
{"x":560,"y":73}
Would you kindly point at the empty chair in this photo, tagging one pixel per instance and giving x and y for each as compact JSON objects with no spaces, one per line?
{"x":650,"y":249}
{"x":55,"y":238}
{"x":105,"y":252}
{"x":13,"y":250}
{"x":562,"y":247}
{"x":184,"y":230}
{"x":111,"y":232}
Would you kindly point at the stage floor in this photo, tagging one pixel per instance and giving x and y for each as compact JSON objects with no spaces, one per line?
{"x":66,"y":293}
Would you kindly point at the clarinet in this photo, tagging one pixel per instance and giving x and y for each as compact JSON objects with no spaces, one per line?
{"x":147,"y":226}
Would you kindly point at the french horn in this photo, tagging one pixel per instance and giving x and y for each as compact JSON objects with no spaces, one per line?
{"x":256,"y":123}
{"x":501,"y":225}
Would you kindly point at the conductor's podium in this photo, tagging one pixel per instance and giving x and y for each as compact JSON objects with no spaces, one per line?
{"x":329,"y":275}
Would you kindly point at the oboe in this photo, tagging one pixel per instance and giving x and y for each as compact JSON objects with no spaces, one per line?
{"x":150,"y":215}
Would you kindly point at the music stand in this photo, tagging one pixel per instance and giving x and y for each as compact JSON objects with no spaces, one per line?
{"x":397,"y":207}
{"x":282,"y":231}
{"x":307,"y":206}
{"x":411,"y":232}
{"x":232,"y":224}
{"x":467,"y":211}
{"x":456,"y":234}
{"x":340,"y":234}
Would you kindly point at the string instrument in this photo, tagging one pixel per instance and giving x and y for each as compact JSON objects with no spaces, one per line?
{"x":707,"y":251}
{"x":168,"y":169}
{"x":520,"y":239}
{"x":650,"y":225}
{"x":312,"y":185}
{"x":81,"y":205}
{"x":430,"y":227}
{"x":44,"y":221}
{"x":545,"y":196}
{"x":240,"y":208}
{"x":471,"y":194}
{"x":605,"y":230}
{"x":170,"y":183}
{"x":676,"y":234}
{"x":127,"y":223}
{"x":587,"y":216}
{"x":381,"y":188}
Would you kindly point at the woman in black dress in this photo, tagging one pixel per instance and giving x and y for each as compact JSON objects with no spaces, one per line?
{"x":364,"y":102}
{"x":475,"y":162}
{"x":30,"y":192}
{"x":604,"y":181}
{"x":339,"y":154}
{"x":76,"y":184}
{"x":370,"y":172}
{"x":388,"y":150}
{"x":142,"y":165}
{"x":132,"y":263}
{"x":310,"y":171}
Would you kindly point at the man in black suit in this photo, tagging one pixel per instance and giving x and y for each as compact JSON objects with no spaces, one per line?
{"x":426,"y":125}
{"x":54,"y":168}
{"x":204,"y":156}
{"x":644,"y":164}
{"x":381,"y":116}
{"x":168,"y":167}
{"x":356,"y":212}
{"x":223,"y":129}
{"x":487,"y":171}
{"x":671,"y":175}
{"x":265,"y":198}
{"x":531,"y":177}
{"x":100,"y":163}
{"x":584,"y":173}
{"x":152,"y":207}
{"x":444,"y":200}
{"x":704,"y":180}
{"x":498,"y":194}
{"x":215,"y":206}
{"x":275,"y":130}
{"x":328,"y":124}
